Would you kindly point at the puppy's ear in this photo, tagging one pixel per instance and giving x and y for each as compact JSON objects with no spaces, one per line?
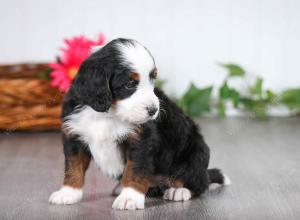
{"x":91,"y":85}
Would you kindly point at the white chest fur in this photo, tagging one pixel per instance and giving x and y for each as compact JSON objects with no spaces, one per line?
{"x":100,"y":131}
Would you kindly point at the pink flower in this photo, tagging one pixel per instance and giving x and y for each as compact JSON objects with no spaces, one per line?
{"x":76,"y":50}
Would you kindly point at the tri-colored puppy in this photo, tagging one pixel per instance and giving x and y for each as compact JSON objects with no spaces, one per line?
{"x":115,"y":115}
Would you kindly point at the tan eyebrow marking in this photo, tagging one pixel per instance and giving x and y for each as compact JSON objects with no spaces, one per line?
{"x":135,"y":76}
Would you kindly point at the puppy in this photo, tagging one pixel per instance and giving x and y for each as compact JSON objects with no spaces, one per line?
{"x":114,"y":114}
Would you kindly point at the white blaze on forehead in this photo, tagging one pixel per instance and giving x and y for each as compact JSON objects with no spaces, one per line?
{"x":135,"y":108}
{"x":137,"y":56}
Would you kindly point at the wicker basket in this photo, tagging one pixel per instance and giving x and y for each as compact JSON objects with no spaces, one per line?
{"x":28,"y":102}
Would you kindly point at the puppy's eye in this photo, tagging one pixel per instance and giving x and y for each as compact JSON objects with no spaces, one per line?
{"x":131,"y":84}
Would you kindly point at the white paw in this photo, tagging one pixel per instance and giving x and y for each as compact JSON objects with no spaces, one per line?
{"x":129,"y":199}
{"x":65,"y":196}
{"x":177,"y":194}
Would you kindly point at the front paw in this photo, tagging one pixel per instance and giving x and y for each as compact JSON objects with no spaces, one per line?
{"x":129,"y":199}
{"x":66,"y":196}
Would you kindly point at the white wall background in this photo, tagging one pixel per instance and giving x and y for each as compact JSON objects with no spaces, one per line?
{"x":187,"y":37}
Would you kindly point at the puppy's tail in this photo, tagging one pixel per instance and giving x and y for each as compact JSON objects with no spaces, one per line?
{"x":216,"y":176}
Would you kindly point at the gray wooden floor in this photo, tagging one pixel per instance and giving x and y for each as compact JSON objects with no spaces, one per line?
{"x":261,"y":158}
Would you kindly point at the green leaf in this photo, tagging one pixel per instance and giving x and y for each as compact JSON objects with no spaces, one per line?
{"x":196,"y":101}
{"x":255,"y":107}
{"x":260,"y":110}
{"x":246,"y":102}
{"x":234,"y":70}
{"x":221,"y":109}
{"x":271,"y":96}
{"x":291,"y":98}
{"x":224,"y":91}
{"x":228,"y":93}
{"x":235,"y":97}
{"x":257,"y":88}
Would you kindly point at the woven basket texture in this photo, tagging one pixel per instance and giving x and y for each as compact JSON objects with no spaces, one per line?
{"x":27,"y":101}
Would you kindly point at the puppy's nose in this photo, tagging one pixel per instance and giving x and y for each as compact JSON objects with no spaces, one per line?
{"x":152,"y":110}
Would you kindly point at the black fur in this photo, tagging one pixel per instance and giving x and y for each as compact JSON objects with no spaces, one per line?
{"x":170,"y":146}
{"x":216,"y":176}
{"x":102,"y":77}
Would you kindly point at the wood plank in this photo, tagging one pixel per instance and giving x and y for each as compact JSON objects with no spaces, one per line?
{"x":261,"y":158}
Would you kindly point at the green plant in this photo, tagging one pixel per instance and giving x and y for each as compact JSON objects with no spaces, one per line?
{"x":257,"y":99}
{"x":291,"y":98}
{"x":225,"y":92}
{"x":196,"y":101}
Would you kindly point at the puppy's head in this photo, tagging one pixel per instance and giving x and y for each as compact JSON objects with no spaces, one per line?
{"x":119,"y":79}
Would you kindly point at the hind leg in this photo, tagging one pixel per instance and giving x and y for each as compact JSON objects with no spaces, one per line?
{"x":177,"y":191}
{"x":177,"y":194}
{"x":185,"y":190}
